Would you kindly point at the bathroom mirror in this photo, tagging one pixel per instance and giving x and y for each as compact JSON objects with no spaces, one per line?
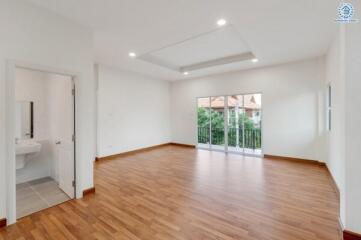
{"x":24,"y":120}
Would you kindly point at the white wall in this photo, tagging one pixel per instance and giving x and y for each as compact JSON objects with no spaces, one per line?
{"x":290,"y":105}
{"x":32,"y":86}
{"x":353,"y":121}
{"x":343,"y":72}
{"x":133,"y":111}
{"x":53,"y":118}
{"x":35,"y":35}
{"x":336,"y":145}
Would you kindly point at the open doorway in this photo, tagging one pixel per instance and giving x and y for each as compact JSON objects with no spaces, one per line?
{"x":244,"y":123}
{"x":44,"y":140}
{"x":231,"y":123}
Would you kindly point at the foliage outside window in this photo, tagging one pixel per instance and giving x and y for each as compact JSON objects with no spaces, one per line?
{"x":252,"y":133}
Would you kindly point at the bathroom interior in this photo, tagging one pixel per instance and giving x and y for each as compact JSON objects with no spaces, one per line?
{"x":45,"y":161}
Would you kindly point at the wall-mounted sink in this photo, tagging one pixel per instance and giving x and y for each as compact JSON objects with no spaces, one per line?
{"x":25,"y":149}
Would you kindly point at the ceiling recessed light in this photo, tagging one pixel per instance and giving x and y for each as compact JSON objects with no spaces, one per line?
{"x":132,"y":55}
{"x":186,"y":73}
{"x":254,"y":60}
{"x":221,"y":22}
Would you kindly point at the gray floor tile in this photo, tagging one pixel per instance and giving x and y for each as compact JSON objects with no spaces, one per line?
{"x":22,"y":186}
{"x":40,"y":180}
{"x":37,"y":195}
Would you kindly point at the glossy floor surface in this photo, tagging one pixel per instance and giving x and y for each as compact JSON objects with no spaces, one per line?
{"x":37,"y":195}
{"x":183,"y":193}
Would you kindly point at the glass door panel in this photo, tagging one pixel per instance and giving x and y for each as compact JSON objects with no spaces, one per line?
{"x":252,"y":124}
{"x":237,"y":131}
{"x":217,"y":123}
{"x":235,"y":124}
{"x":204,"y":120}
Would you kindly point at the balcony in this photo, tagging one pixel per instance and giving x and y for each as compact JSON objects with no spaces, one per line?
{"x":249,"y":140}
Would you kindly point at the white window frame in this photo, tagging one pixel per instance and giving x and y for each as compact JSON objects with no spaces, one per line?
{"x":329,"y":107}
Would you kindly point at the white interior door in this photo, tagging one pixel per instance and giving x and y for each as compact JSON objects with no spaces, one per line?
{"x":64,"y":131}
{"x":66,"y":167}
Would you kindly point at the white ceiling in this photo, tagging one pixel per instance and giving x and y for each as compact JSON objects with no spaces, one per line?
{"x":275,"y":31}
{"x":217,"y":44}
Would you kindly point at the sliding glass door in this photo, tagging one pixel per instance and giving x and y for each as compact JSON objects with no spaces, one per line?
{"x":204,"y":120}
{"x":252,"y":124}
{"x":231,"y":123}
{"x":235,"y":123}
{"x":217,"y":123}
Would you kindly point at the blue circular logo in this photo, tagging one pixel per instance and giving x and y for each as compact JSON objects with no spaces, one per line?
{"x":346,"y":11}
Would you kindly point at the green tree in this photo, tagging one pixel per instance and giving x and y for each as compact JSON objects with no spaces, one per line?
{"x":243,"y":118}
{"x":203,"y":117}
{"x":252,"y":134}
{"x":248,"y":123}
{"x":217,"y":119}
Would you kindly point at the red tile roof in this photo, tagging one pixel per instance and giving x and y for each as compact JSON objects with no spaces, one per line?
{"x":252,"y":101}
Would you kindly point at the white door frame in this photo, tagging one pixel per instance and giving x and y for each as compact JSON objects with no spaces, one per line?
{"x":226,"y":137}
{"x":10,"y":102}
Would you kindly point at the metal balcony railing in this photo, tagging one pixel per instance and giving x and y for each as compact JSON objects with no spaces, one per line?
{"x":252,"y":138}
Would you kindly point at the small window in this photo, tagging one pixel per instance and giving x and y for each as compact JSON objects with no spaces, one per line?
{"x":329,"y":107}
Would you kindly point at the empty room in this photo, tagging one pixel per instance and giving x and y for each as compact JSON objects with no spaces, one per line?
{"x":177,"y":120}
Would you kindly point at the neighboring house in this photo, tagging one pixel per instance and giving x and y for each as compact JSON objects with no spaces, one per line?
{"x":252,"y":105}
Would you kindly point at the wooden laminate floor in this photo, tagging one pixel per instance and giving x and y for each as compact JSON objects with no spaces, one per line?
{"x":183,"y":193}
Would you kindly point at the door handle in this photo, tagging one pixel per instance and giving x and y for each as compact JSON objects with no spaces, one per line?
{"x":58,"y":142}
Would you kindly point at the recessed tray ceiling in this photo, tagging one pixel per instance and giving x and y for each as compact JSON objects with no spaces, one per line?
{"x":217,"y":47}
